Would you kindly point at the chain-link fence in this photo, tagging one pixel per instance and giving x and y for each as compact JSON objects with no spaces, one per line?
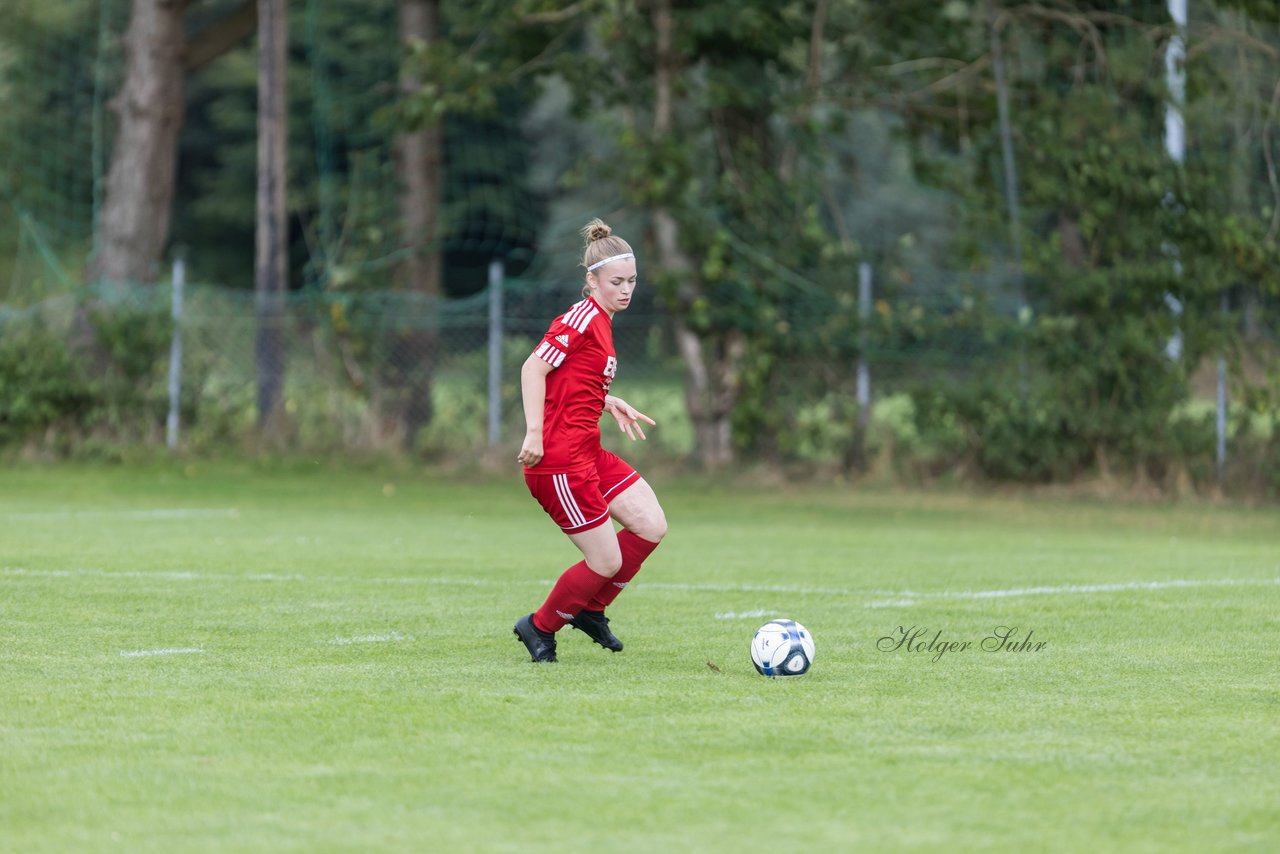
{"x":351,"y":362}
{"x":849,"y":371}
{"x":906,"y":358}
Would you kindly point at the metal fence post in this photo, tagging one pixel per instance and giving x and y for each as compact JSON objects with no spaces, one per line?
{"x":864,"y":370}
{"x":1175,"y":145}
{"x":175,"y":352}
{"x":496,"y":276}
{"x":1220,"y":456}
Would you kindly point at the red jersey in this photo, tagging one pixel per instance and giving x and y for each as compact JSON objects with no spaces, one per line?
{"x":579,"y":348}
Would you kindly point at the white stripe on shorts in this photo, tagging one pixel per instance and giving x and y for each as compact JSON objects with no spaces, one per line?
{"x":591,"y":524}
{"x":626,"y":481}
{"x":567,"y":502}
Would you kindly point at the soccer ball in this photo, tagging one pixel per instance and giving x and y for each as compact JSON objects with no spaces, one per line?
{"x":782,"y":648}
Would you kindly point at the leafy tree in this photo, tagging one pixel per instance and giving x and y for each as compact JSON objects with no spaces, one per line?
{"x":133,"y":227}
{"x":270,"y":262}
{"x":709,"y":107}
{"x":50,"y":75}
{"x":1114,"y":230}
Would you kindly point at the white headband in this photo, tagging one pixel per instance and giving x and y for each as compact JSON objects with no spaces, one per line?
{"x":610,"y":259}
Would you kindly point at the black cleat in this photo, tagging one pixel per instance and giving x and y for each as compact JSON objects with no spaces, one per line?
{"x":595,"y":625}
{"x":541,"y":645}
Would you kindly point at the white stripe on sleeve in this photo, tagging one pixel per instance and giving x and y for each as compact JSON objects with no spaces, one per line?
{"x":550,"y":354}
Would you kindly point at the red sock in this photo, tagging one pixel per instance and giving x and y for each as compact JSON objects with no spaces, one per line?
{"x":572,"y":592}
{"x":634,"y":551}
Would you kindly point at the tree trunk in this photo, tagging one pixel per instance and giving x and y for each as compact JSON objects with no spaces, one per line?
{"x":134,"y":222}
{"x":419,"y":160}
{"x":712,"y":386}
{"x":712,"y":359}
{"x":270,"y":269}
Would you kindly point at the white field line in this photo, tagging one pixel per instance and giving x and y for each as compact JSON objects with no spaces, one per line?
{"x":743,"y":615}
{"x":750,"y":588}
{"x":175,"y":574}
{"x":192,"y":575}
{"x":884,"y":599}
{"x":390,"y":637}
{"x":909,"y":597}
{"x":157,"y":514}
{"x":141,"y":653}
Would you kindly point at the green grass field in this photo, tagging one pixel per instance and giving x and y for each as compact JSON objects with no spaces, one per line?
{"x":227,"y":657}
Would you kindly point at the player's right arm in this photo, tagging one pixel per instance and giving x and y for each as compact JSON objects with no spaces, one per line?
{"x":533,"y":392}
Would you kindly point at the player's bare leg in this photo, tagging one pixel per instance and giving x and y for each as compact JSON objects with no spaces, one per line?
{"x":643,"y":527}
{"x":636,"y":508}
{"x":599,"y":547}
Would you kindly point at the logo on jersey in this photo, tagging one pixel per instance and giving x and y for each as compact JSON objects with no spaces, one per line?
{"x":610,"y":371}
{"x":563,"y":339}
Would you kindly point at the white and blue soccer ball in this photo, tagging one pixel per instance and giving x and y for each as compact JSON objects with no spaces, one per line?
{"x":782,"y":648}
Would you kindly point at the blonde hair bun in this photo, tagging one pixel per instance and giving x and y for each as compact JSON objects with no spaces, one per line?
{"x":595,"y":230}
{"x":601,"y":244}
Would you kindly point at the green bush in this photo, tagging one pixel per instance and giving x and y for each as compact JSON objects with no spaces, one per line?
{"x":1004,"y":435}
{"x":40,"y":383}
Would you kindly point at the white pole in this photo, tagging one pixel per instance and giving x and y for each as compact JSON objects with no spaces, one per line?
{"x":864,"y":370}
{"x":1175,"y":142}
{"x":1175,"y":75}
{"x":1220,"y":423}
{"x":496,"y":275}
{"x":1175,"y":138}
{"x":175,"y":353}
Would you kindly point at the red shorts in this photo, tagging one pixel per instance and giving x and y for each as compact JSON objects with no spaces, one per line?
{"x":579,"y":501}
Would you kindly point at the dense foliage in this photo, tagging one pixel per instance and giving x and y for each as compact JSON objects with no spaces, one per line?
{"x":787,"y":142}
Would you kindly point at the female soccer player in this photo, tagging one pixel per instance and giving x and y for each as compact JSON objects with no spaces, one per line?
{"x":565,"y":387}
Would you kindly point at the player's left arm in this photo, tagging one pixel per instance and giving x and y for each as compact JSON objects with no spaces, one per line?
{"x":627,"y":416}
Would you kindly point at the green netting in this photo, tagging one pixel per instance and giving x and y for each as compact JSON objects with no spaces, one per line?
{"x":60,"y":63}
{"x":352,"y":335}
{"x":488,"y":207}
